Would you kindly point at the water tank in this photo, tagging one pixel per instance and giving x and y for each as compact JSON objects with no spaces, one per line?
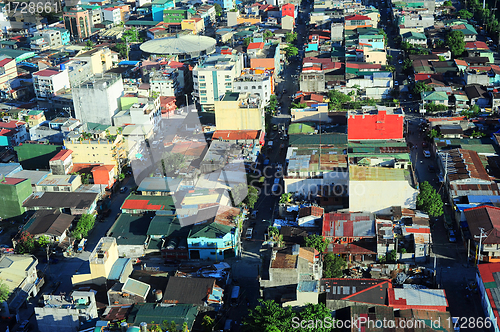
{"x":123,"y":327}
{"x":134,"y":329}
{"x":62,"y":66}
{"x":144,"y":327}
{"x":158,"y":295}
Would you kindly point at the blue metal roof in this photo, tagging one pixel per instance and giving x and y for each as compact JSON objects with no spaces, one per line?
{"x":128,"y":63}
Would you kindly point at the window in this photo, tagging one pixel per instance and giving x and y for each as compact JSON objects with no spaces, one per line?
{"x":246,"y":88}
{"x":260,"y":86}
{"x":56,"y":188}
{"x":253,"y":87}
{"x":203,"y":91}
{"x":203,"y":85}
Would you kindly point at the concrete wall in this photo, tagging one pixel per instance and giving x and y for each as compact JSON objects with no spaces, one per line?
{"x":57,"y":320}
{"x":97,"y":104}
{"x":12,"y":198}
{"x":308,"y":185}
{"x":131,"y":251}
{"x":379,"y":196}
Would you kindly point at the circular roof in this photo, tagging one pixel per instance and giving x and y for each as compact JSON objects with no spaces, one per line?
{"x":188,"y":44}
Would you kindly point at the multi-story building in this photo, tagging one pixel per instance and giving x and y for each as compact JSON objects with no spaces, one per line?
{"x":100,"y":59}
{"x":207,"y":13}
{"x":8,"y":72}
{"x":14,"y":192}
{"x":378,"y":125}
{"x":213,"y":77}
{"x":96,"y":100}
{"x":78,"y":22}
{"x":165,"y":82}
{"x":225,"y":4}
{"x":52,"y":37}
{"x":35,"y":117}
{"x":78,"y":71}
{"x":12,"y":132}
{"x":194,"y":24}
{"x":49,"y":82}
{"x":158,"y":6}
{"x":112,"y":14}
{"x":103,"y":151}
{"x":239,"y":111}
{"x":146,"y":111}
{"x":255,"y":84}
{"x":177,"y":15}
{"x":54,"y":183}
{"x":95,"y":13}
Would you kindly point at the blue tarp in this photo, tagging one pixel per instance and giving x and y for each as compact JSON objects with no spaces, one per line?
{"x":128,"y":63}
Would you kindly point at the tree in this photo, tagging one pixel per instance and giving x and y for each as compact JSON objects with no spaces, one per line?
{"x":455,"y":41}
{"x":26,"y":243}
{"x":121,"y":176}
{"x":83,"y":227}
{"x":247,"y":41}
{"x":434,"y":133}
{"x":268,"y":34}
{"x":317,"y":242}
{"x":439,"y":43}
{"x":333,"y":266}
{"x":208,"y":323}
{"x":290,"y":37}
{"x":269,"y":314}
{"x":390,"y":68}
{"x":448,"y":4}
{"x":472,"y":112}
{"x":43,"y":241}
{"x":252,"y":197}
{"x":405,"y":46}
{"x":172,"y":162}
{"x":89,"y":45}
{"x":4,"y":291}
{"x":299,"y":105}
{"x":337,"y":99}
{"x":132,"y":35}
{"x":273,"y":103}
{"x":477,"y":134}
{"x":420,"y":86}
{"x":435,"y":108}
{"x":173,"y":327}
{"x":286,"y":198}
{"x":391,"y":256}
{"x":407,"y":66}
{"x":312,"y":313}
{"x":441,"y":58}
{"x":122,"y":49}
{"x":465,"y":14}
{"x":429,"y":200}
{"x":218,"y":10}
{"x":291,"y":51}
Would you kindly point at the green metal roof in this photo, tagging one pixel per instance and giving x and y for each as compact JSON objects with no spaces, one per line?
{"x":297,"y":128}
{"x":130,"y":229}
{"x":34,"y":112}
{"x":140,"y":23}
{"x":434,"y":95}
{"x":167,"y":225}
{"x":376,"y":144}
{"x":8,"y":42}
{"x":324,"y":139}
{"x":414,"y":35}
{"x":211,"y":230}
{"x":151,"y":312}
{"x":144,"y":202}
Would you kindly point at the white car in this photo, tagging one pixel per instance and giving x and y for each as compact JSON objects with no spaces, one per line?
{"x":249,"y":233}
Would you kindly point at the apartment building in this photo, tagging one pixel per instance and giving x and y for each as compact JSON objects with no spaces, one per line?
{"x":53,"y":37}
{"x":255,"y":84}
{"x":239,"y":111}
{"x":95,"y":13}
{"x":213,"y":77}
{"x":78,"y":22}
{"x":165,"y":82}
{"x":8,"y":72}
{"x":49,"y":82}
{"x":146,"y":111}
{"x":100,"y":59}
{"x":112,"y":14}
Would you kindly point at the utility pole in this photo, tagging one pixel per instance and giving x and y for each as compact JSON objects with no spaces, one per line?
{"x":480,"y":237}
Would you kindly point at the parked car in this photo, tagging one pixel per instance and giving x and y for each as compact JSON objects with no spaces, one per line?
{"x":123,"y":190}
{"x":451,"y":236}
{"x":425,"y":145}
{"x":427,"y":154}
{"x":249,"y":233}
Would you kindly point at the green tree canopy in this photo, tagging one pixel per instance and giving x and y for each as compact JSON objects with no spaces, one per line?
{"x":435,"y":108}
{"x":268,"y":34}
{"x":465,"y":14}
{"x":429,"y":200}
{"x":171,"y":162}
{"x":43,"y":241}
{"x":333,"y":266}
{"x":252,"y":197}
{"x":290,"y":37}
{"x":4,"y":291}
{"x":286,"y":198}
{"x":471,"y":112}
{"x":420,"y":86}
{"x":25,"y":243}
{"x":291,"y":51}
{"x":247,"y":41}
{"x":448,"y":3}
{"x":317,"y":242}
{"x":390,"y":68}
{"x":455,"y":41}
{"x":218,"y":9}
{"x":407,"y":66}
{"x":337,"y":99}
{"x":84,"y":226}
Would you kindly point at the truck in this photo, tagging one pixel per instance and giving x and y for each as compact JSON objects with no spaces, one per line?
{"x":81,"y":245}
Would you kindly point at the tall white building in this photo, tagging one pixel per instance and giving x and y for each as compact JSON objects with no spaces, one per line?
{"x":255,"y":84}
{"x":97,"y":99}
{"x":214,"y":76}
{"x":48,"y":82}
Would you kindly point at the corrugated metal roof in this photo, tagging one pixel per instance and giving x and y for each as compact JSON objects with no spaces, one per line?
{"x":360,"y":173}
{"x":136,"y":287}
{"x":420,"y":297}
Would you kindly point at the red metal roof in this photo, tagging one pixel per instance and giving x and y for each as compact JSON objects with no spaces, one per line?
{"x":253,"y":46}
{"x":5,"y":61}
{"x":139,"y":204}
{"x":62,"y":155}
{"x":46,"y":73}
{"x":357,"y":18}
{"x":11,"y":181}
{"x":233,"y":135}
{"x":477,"y":45}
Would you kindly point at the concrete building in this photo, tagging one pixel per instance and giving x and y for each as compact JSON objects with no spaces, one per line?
{"x":78,"y":22}
{"x":239,"y":111}
{"x":62,"y":313}
{"x":67,"y":183}
{"x":95,"y":13}
{"x":18,"y":272}
{"x":486,"y":278}
{"x":35,"y":117}
{"x":147,"y":111}
{"x":166,"y":82}
{"x":53,"y":224}
{"x":12,"y":133}
{"x":194,"y":24}
{"x":14,"y":192}
{"x":96,"y":100}
{"x":107,"y":151}
{"x":255,"y":84}
{"x":101,"y":262}
{"x":377,"y":189}
{"x":48,"y":82}
{"x":112,"y":14}
{"x":61,"y":163}
{"x":52,"y":37}
{"x":213,"y":77}
{"x":375,"y":125}
{"x":316,"y":113}
{"x":226,"y":5}
{"x":8,"y":72}
{"x":100,"y":59}
{"x":79,"y":71}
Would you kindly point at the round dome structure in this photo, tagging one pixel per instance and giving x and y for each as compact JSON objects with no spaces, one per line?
{"x":187,"y":46}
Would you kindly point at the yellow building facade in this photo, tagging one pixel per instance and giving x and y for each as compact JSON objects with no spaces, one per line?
{"x":238,"y":111}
